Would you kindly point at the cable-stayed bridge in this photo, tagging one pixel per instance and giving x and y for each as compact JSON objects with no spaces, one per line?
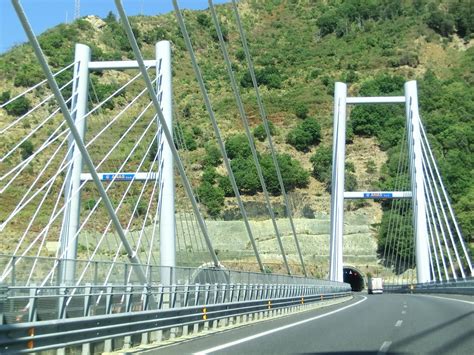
{"x":128,"y":269}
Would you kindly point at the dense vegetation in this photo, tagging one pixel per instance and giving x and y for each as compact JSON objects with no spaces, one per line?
{"x":300,"y":49}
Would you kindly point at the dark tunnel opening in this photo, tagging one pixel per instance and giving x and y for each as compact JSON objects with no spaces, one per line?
{"x":353,"y":277}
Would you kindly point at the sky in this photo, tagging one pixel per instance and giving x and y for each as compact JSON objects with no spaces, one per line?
{"x":44,"y":14}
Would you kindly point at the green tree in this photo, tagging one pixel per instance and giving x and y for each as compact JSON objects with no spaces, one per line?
{"x":209,"y":175}
{"x":322,"y":164}
{"x":4,"y":97}
{"x":225,"y":185}
{"x":245,"y":174}
{"x":307,"y":133}
{"x":441,"y":22}
{"x":292,"y":173}
{"x":26,"y":149}
{"x":259,"y":131}
{"x":213,"y":155}
{"x":237,"y":146}
{"x":203,"y":20}
{"x":212,"y":197}
{"x":18,"y":107}
{"x":301,"y":111}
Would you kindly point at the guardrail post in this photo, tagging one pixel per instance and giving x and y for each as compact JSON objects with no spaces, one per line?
{"x":127,"y":340}
{"x":216,"y":293}
{"x":196,"y":302}
{"x":225,"y":292}
{"x":239,"y":292}
{"x":86,"y":348}
{"x":196,"y":294}
{"x":186,"y":295}
{"x":207,"y":293}
{"x":146,"y":294}
{"x":3,"y":301}
{"x":62,"y":302}
{"x":109,"y":343}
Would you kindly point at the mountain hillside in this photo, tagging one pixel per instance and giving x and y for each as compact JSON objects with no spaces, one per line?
{"x":300,"y":49}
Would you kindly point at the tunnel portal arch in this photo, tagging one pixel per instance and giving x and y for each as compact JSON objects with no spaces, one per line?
{"x":354,"y":277}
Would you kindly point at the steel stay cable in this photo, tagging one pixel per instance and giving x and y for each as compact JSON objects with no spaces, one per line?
{"x":401,"y":212}
{"x":216,"y":130}
{"x":397,"y":207}
{"x":182,"y":142}
{"x":434,"y":223}
{"x":453,"y":217}
{"x":263,"y":115}
{"x":26,"y":137}
{"x":46,"y":144}
{"x":397,"y":186}
{"x":431,"y":231}
{"x":179,"y":137}
{"x":134,"y":147}
{"x":8,"y":267}
{"x":401,"y":237}
{"x":52,"y":219}
{"x":137,"y":244}
{"x":441,"y":226}
{"x":36,"y":85}
{"x":19,"y":208}
{"x":440,"y":201}
{"x":150,"y":201}
{"x":249,"y":135}
{"x":435,"y":226}
{"x":408,"y":244}
{"x":151,"y":90}
{"x":32,"y":110}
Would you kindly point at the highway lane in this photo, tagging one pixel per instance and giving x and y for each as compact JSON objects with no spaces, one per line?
{"x":388,"y":323}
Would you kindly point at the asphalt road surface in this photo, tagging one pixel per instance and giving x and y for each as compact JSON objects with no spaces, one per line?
{"x":368,"y":324}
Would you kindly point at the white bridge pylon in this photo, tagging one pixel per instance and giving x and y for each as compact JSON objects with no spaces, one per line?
{"x":68,"y":241}
{"x":417,"y":193}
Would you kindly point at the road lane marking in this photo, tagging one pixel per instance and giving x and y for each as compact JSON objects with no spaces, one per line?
{"x":405,"y":306}
{"x":399,"y":323}
{"x":447,"y":299}
{"x":268,"y":332}
{"x":384,"y":348}
{"x":404,"y":312}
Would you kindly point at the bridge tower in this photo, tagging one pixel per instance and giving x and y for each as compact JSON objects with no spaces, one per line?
{"x":69,"y":238}
{"x":417,"y":193}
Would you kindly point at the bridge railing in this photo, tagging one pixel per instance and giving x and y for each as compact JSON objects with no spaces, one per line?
{"x":17,"y":271}
{"x":107,"y":316}
{"x":462,"y":287}
{"x":34,"y":298}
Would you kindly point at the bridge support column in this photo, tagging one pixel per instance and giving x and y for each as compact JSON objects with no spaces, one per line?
{"x":337,"y":183}
{"x":167,"y":214}
{"x":72,"y":193}
{"x":417,"y":186}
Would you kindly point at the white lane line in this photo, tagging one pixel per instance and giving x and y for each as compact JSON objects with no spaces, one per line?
{"x":404,"y":312}
{"x":384,"y":348}
{"x":258,"y":335}
{"x":447,"y":299}
{"x":405,"y":306}
{"x":399,"y":323}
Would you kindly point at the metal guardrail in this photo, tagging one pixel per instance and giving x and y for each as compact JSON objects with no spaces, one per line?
{"x":461,"y":287}
{"x":50,"y":316}
{"x":96,"y":272}
{"x":184,"y":305}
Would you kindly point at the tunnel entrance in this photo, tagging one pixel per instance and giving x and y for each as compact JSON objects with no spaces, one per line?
{"x":353,"y":277}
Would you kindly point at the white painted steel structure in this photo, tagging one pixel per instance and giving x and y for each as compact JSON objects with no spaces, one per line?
{"x":417,"y":192}
{"x":352,"y":195}
{"x":417,"y":185}
{"x":167,"y":215}
{"x":68,"y":241}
